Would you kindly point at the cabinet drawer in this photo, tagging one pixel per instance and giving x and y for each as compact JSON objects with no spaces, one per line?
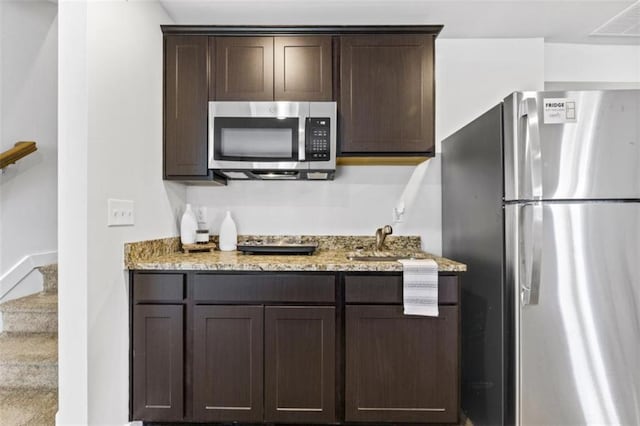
{"x":158,"y":287}
{"x":210,"y":288}
{"x":388,"y":289}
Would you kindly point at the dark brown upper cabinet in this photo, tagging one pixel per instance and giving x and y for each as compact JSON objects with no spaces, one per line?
{"x":244,"y":68}
{"x":185,"y":107}
{"x":386,"y":95}
{"x":270,"y":68}
{"x":303,"y":69}
{"x":381,"y":76}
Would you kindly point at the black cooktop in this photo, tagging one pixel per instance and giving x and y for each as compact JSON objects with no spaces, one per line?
{"x":279,"y":246}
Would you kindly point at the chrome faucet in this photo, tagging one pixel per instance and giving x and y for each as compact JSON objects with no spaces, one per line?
{"x":381,"y":234}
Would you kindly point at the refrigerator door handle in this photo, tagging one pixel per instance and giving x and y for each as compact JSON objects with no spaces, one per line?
{"x":533,"y":153}
{"x":530,"y":288}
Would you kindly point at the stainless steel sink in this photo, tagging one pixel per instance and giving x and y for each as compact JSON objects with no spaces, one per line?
{"x":381,"y":257}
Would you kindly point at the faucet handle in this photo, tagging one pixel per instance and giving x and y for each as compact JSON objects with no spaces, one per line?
{"x":381,"y":234}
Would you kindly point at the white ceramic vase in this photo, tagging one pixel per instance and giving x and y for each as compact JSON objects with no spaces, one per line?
{"x":228,"y":234}
{"x":188,"y":226}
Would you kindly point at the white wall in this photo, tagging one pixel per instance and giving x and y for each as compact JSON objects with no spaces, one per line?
{"x":360,"y":200}
{"x":474,"y":75}
{"x":471,"y":76}
{"x":111,"y":115}
{"x":584,"y":63}
{"x":72,"y":215}
{"x":28,"y":99}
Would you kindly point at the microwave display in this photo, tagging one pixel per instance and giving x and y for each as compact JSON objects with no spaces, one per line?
{"x":317,"y":138}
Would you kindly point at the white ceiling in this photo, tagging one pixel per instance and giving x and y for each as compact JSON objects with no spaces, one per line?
{"x":556,"y":21}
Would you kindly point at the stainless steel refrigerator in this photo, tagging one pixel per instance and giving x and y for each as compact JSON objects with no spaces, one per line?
{"x":541,"y":199}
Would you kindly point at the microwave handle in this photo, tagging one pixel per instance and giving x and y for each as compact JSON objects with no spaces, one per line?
{"x":303,"y":122}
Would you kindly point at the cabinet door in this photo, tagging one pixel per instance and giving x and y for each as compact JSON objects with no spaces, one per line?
{"x":299,"y":364}
{"x":227,"y":363}
{"x":185,"y":107}
{"x":157,"y":362}
{"x":401,"y":368}
{"x":386,"y":94}
{"x":303,"y":68}
{"x":244,"y":69}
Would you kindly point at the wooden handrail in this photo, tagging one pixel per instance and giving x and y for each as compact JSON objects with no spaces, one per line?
{"x":19,"y":150}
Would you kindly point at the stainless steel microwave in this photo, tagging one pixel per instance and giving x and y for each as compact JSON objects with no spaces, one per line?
{"x":273,"y":140}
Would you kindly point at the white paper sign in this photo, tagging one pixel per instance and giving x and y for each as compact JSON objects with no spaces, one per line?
{"x":559,"y":110}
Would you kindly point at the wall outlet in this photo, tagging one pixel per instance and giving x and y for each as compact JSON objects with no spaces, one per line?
{"x":201,"y":216}
{"x":120,"y":213}
{"x":398,"y":215}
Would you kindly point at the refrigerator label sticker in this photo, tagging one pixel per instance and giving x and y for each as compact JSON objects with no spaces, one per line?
{"x":559,"y":110}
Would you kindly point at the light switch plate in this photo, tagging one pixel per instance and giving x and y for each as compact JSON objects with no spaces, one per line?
{"x":120,"y":213}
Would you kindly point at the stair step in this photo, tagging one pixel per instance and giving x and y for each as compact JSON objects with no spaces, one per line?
{"x":37,"y":313}
{"x":28,"y":406}
{"x":29,"y":360}
{"x":50,"y":277}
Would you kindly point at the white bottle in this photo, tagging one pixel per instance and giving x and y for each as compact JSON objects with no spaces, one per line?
{"x":188,"y":226}
{"x":228,"y":234}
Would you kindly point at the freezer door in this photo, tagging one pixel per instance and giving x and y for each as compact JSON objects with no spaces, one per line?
{"x":572,"y":145}
{"x":575,"y":267}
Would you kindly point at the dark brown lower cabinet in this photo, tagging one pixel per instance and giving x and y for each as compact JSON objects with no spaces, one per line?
{"x":401,"y":368}
{"x":299,"y":361}
{"x":297,"y":348}
{"x":158,"y":379}
{"x":228,"y":363}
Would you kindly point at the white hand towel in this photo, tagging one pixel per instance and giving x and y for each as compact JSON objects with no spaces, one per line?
{"x":420,"y":287}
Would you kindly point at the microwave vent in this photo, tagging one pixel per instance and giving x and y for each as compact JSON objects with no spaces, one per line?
{"x":236,"y":175}
{"x":277,"y":175}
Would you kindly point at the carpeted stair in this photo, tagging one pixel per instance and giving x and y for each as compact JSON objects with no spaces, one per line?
{"x":29,"y":356}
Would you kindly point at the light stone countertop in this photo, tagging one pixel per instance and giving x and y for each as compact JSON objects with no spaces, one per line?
{"x":331,"y":255}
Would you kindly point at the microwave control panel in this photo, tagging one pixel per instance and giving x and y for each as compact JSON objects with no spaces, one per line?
{"x":317,"y":139}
